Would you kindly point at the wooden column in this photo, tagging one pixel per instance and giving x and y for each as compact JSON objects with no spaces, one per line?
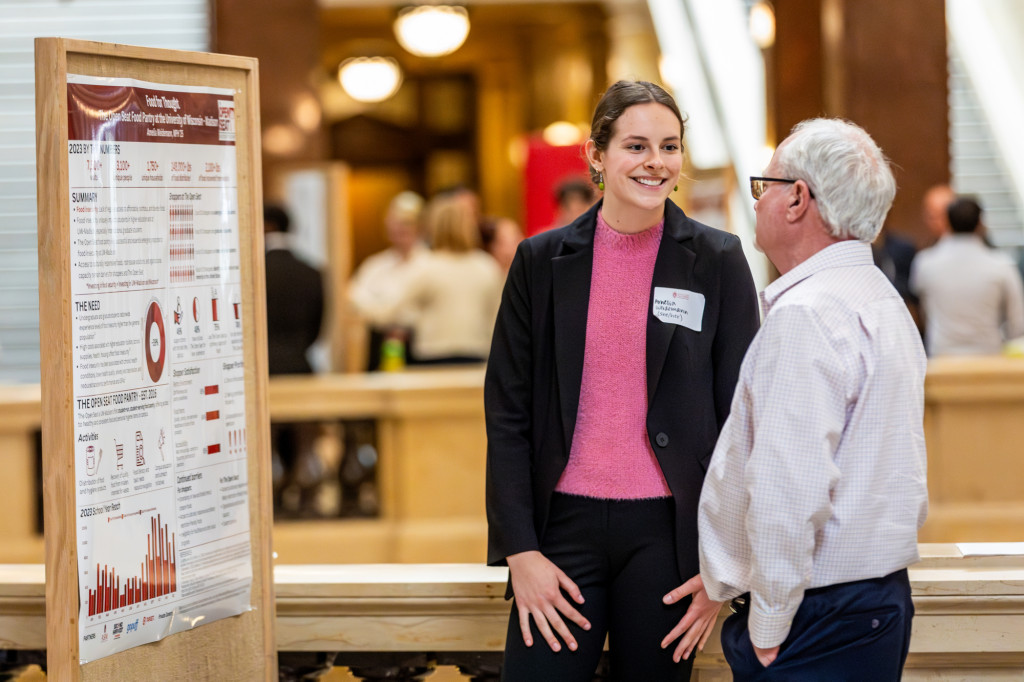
{"x":285,"y":38}
{"x":881,"y":64}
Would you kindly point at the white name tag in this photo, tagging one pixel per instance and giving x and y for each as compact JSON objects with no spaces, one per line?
{"x":679,"y":306}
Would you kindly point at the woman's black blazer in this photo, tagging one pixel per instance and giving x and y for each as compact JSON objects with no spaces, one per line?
{"x":532,"y":387}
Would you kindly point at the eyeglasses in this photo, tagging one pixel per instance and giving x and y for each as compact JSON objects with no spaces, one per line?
{"x":759,"y":185}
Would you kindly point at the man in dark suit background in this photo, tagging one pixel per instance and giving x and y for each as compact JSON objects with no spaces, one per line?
{"x":295,"y":298}
{"x":295,"y":304}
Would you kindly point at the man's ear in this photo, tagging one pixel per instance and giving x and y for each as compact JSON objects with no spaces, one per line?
{"x":799,"y":200}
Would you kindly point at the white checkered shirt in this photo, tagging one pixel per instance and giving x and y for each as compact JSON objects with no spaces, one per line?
{"x":818,"y":477}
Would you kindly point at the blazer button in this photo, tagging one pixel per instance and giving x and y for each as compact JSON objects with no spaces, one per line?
{"x":661,"y":439}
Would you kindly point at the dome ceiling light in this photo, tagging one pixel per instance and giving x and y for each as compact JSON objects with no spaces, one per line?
{"x":762,"y":24}
{"x":563,"y":134}
{"x":370,"y":79}
{"x":432,"y":30}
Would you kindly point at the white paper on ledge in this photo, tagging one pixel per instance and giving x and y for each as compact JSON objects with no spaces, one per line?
{"x":991,"y":548}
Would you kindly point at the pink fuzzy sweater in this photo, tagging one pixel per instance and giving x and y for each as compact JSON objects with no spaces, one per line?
{"x":611,"y":456}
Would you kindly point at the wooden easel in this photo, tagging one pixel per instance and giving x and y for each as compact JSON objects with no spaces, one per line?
{"x":234,"y":648}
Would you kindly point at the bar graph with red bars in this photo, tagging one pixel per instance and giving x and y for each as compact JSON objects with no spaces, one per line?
{"x":211,"y":415}
{"x":158,"y":575}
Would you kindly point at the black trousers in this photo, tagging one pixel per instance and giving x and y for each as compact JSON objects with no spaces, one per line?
{"x":851,"y":631}
{"x":621,"y":554}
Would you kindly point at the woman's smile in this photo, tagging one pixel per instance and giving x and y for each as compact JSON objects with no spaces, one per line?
{"x":650,"y":182}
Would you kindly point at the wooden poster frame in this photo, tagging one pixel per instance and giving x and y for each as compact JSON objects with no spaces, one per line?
{"x":236,"y":648}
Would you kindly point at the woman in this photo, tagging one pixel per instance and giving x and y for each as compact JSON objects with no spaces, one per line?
{"x":452,"y":293}
{"x":612,"y":368}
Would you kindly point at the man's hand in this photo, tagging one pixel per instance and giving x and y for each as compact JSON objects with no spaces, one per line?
{"x":697,"y":623}
{"x":766,"y":656}
{"x":538,"y":585}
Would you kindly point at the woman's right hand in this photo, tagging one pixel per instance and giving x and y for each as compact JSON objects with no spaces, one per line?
{"x":538,"y":585}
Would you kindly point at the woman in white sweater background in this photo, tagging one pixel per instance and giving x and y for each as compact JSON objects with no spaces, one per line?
{"x":454,"y":291}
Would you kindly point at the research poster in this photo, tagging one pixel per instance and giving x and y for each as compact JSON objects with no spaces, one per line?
{"x":159,"y":391}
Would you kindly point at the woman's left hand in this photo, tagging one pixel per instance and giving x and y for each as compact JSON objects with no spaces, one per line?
{"x":697,"y":623}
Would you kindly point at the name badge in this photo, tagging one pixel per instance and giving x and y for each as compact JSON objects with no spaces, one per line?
{"x":679,"y":306}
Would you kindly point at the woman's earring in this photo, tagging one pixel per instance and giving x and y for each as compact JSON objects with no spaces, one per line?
{"x":600,"y":181}
{"x":676,"y":188}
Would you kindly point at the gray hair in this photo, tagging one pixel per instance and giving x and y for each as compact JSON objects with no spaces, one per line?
{"x":847,"y":172}
{"x":406,"y":206}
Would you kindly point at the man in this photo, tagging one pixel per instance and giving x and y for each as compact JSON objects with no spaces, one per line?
{"x":573,"y":196}
{"x":934,"y":205}
{"x":971,"y":295}
{"x":382,"y":278}
{"x":810,"y":509}
{"x":295,"y":298}
{"x":295,"y":306}
{"x":894,"y":255}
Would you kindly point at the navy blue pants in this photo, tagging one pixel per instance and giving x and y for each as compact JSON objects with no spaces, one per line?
{"x":621,"y":554}
{"x":851,"y":631}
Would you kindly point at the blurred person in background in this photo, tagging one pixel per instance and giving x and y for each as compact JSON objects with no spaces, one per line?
{"x":894,"y":256}
{"x":380,"y":280}
{"x":574,"y":196}
{"x":451,"y":294}
{"x":972,"y":299}
{"x":934,"y":209}
{"x":500,"y":237}
{"x":295,"y":305}
{"x":468,"y":196}
{"x":295,"y":298}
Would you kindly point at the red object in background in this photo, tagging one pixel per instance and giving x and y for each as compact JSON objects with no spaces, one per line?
{"x":546,"y":168}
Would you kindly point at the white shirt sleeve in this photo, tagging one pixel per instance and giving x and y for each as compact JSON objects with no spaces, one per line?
{"x":365,"y":291}
{"x":1014,"y":304}
{"x":799,"y":405}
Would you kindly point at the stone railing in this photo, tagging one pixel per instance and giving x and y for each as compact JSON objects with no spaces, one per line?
{"x":401,"y":621}
{"x":429,"y":428}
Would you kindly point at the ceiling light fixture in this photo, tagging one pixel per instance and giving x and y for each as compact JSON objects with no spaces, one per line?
{"x":370,"y":79}
{"x":762,"y":24}
{"x":563,"y":134}
{"x":432,"y":30}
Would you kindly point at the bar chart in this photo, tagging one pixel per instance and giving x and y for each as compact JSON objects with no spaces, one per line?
{"x":157,"y":575}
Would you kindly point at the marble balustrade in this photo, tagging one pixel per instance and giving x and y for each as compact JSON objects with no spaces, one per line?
{"x":400,"y":621}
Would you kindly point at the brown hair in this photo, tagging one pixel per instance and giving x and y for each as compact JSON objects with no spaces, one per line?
{"x":619,"y":97}
{"x":452,"y":225}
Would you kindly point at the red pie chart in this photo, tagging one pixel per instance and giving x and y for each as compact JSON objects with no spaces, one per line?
{"x":156,"y":342}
